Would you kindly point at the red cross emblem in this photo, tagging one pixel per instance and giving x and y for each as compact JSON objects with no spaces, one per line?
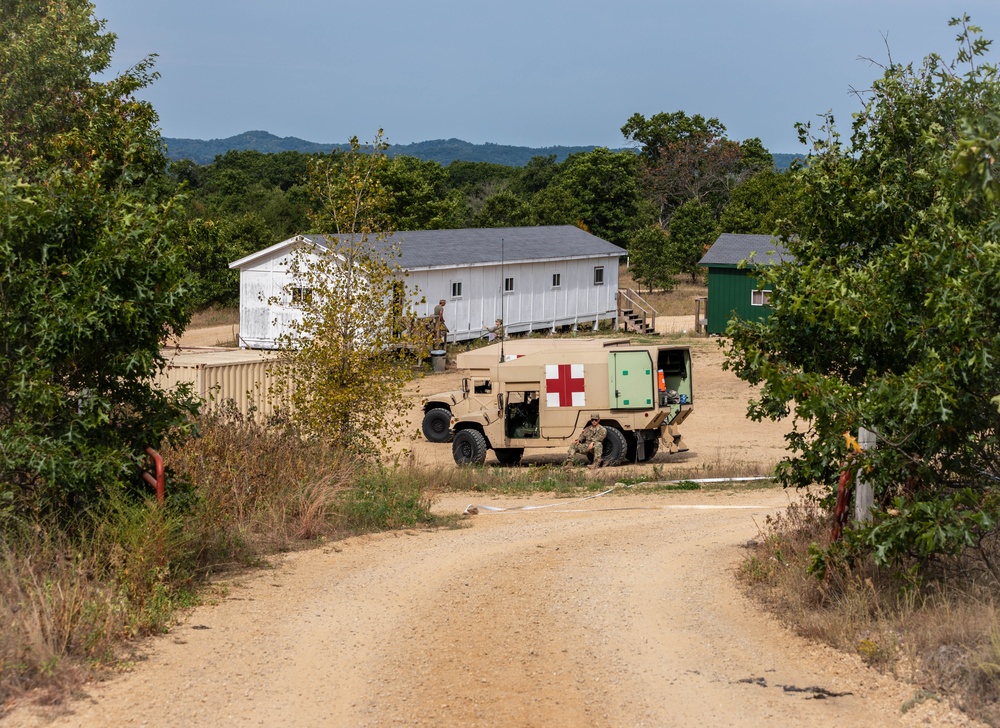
{"x":564,"y":385}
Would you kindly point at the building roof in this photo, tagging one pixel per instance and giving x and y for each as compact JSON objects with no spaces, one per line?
{"x":730,"y":249}
{"x":421,"y":249}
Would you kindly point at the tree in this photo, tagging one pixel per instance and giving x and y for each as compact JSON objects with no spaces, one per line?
{"x":887,"y":317}
{"x":342,"y":354}
{"x":418,"y":198}
{"x":650,"y":260}
{"x":212,"y":246}
{"x":686,"y":158}
{"x":692,"y":231}
{"x":91,"y":276}
{"x":605,"y":191}
{"x":759,"y":204}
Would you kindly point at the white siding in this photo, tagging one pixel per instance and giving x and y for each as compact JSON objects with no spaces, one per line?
{"x":533,"y":305}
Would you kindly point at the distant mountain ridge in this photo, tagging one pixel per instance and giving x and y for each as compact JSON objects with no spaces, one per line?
{"x":442,"y":151}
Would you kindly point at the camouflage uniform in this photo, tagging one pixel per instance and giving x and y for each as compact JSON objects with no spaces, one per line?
{"x":592,"y":433}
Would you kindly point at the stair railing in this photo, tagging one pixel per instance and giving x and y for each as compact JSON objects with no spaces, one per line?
{"x":629,"y":300}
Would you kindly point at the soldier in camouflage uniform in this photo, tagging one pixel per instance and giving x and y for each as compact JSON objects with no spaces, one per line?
{"x":591,"y":440}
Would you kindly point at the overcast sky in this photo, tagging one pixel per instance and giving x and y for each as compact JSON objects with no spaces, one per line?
{"x":523,"y":72}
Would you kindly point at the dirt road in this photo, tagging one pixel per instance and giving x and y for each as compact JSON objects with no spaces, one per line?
{"x":616,"y":611}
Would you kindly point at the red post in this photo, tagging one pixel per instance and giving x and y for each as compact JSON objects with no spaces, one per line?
{"x":159,"y":481}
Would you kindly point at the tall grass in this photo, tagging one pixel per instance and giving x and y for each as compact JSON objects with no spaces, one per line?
{"x":72,"y":594}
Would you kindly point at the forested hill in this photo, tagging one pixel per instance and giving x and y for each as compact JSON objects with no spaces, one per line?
{"x":442,"y":151}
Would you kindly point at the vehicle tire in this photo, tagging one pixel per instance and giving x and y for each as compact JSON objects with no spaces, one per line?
{"x":615,"y":448}
{"x":509,"y":455}
{"x":652,"y":447}
{"x":437,"y":425}
{"x":631,"y":450}
{"x":469,"y":447}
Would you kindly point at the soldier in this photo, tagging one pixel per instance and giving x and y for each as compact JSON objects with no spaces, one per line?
{"x":591,"y":440}
{"x":440,"y":327}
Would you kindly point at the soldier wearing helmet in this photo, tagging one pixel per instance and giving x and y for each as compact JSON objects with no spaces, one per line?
{"x":591,"y":440}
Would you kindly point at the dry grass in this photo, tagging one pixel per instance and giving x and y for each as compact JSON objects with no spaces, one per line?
{"x":941,"y":634}
{"x":676,"y":302}
{"x":71,"y":597}
{"x":214,"y":316}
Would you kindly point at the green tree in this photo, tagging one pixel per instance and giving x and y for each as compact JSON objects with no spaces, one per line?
{"x":887,"y":317}
{"x":649,"y":258}
{"x":606,"y":190}
{"x":759,"y":204}
{"x":418,"y":195}
{"x":692,"y":232}
{"x":356,"y":312}
{"x":92,"y":278}
{"x":212,"y":246}
{"x":502,"y":209}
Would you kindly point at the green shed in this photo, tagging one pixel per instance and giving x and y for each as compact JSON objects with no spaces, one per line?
{"x":733,"y":291}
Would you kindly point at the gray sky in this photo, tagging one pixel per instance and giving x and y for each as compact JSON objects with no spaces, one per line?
{"x":523,"y":72}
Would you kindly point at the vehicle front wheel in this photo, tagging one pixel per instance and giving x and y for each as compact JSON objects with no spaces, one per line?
{"x":469,"y":447}
{"x":437,"y":425}
{"x":615,"y":447}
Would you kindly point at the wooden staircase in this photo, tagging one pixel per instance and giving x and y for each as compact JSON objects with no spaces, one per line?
{"x":635,"y":313}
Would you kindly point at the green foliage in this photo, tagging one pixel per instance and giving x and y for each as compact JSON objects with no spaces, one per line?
{"x":689,"y":158}
{"x":887,"y":317}
{"x":342,"y":354}
{"x":91,"y":276}
{"x":759,"y":204}
{"x":212,"y":246}
{"x":605,"y":187}
{"x":503,"y":209}
{"x":383,"y":499}
{"x":419,"y":198}
{"x":649,"y":258}
{"x":692,"y":231}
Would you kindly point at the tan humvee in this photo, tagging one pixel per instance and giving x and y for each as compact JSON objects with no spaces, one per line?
{"x":541,"y":396}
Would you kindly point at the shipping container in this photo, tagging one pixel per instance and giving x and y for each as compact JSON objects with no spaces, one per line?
{"x":217,"y":375}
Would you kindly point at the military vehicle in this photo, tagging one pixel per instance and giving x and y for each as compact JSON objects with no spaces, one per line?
{"x":542,"y":393}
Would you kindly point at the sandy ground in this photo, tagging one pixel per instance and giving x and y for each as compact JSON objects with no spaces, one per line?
{"x":621,"y":610}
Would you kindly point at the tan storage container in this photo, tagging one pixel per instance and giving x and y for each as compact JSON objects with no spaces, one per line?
{"x":217,"y":375}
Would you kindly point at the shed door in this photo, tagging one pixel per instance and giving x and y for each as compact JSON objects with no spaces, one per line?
{"x":631,"y":382}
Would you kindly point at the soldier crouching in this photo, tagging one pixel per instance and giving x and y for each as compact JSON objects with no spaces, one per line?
{"x":591,"y":440}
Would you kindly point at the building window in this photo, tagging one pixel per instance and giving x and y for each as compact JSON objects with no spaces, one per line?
{"x":556,"y":280}
{"x":301,"y":295}
{"x":599,"y":275}
{"x":508,"y":285}
{"x":760,"y":298}
{"x":456,"y":289}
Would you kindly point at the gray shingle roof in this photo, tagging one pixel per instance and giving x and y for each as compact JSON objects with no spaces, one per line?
{"x":479,"y":246}
{"x":732,"y":248}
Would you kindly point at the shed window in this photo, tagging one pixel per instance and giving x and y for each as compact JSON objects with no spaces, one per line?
{"x":301,"y":295}
{"x":599,"y":275}
{"x":508,"y":285}
{"x":456,"y":289}
{"x":760,"y":298}
{"x":556,"y":280}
